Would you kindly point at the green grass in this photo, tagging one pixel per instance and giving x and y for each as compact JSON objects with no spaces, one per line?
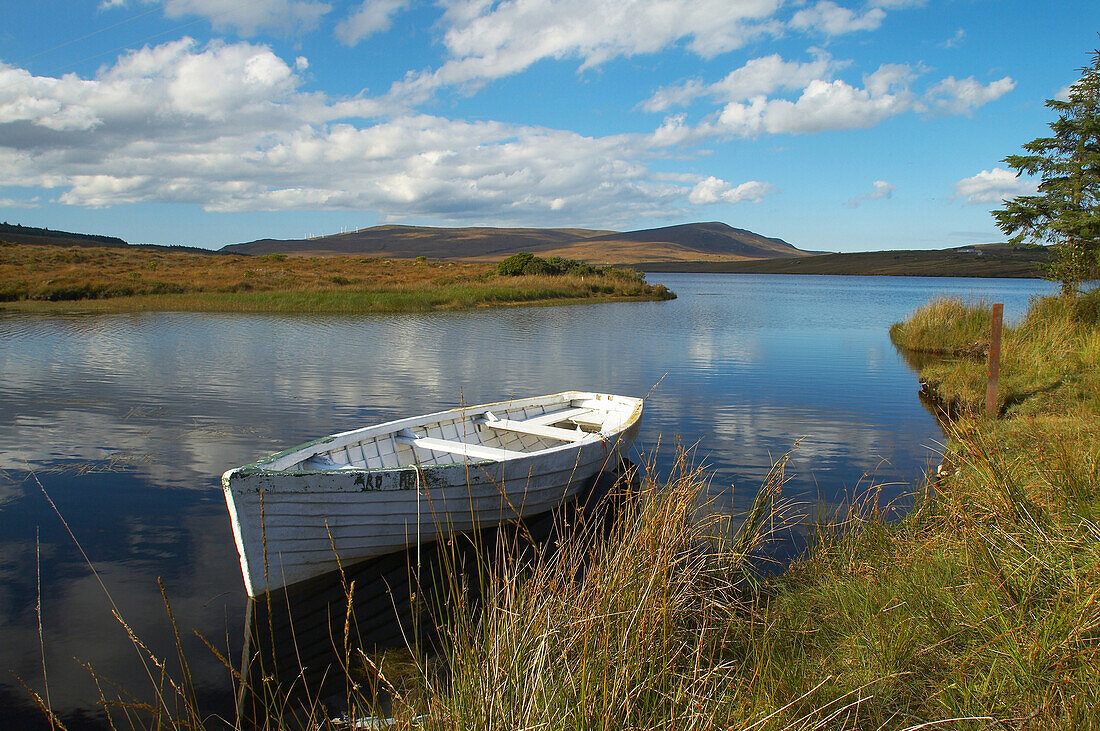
{"x":945,"y":326}
{"x":1048,"y":361}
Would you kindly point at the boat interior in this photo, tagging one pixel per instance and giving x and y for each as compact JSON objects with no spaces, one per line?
{"x":499,"y":432}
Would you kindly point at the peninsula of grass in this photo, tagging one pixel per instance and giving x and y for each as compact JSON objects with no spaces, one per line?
{"x":101,"y":279}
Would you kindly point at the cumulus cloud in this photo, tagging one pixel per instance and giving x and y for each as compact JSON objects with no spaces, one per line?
{"x":882,"y":189}
{"x":715,"y":190}
{"x":764,"y":75}
{"x":487,"y":41}
{"x":961,"y":96}
{"x":823,"y":105}
{"x":228,"y":127}
{"x":993,"y":186}
{"x":823,"y":102}
{"x":373,"y":16}
{"x":831,"y":19}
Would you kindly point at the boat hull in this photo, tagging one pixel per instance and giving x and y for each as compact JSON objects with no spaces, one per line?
{"x":293,"y":525}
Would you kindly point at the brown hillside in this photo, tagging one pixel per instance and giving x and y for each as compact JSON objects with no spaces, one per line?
{"x":688,"y":242}
{"x":402,"y":242}
{"x":715,"y":239}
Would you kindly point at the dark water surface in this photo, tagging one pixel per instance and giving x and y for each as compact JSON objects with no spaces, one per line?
{"x":127,"y":421}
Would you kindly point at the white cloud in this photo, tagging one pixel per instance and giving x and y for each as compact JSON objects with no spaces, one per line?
{"x":833,"y":20}
{"x":715,"y":190}
{"x":252,"y":16}
{"x":882,"y":189}
{"x":227,"y":127}
{"x":993,"y":186}
{"x":823,"y":105}
{"x":764,"y":75}
{"x":373,"y":16}
{"x":961,"y":96}
{"x":487,"y":41}
{"x":19,"y":202}
{"x":955,"y":40}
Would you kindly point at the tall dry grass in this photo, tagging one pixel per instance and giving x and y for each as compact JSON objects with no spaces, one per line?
{"x":120,"y":280}
{"x":1048,"y":359}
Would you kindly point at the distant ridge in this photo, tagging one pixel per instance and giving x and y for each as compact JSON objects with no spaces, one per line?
{"x":17,"y":234}
{"x":712,"y":241}
{"x":979,"y":260}
{"x":29,"y":235}
{"x":710,"y":238}
{"x":413,"y":241}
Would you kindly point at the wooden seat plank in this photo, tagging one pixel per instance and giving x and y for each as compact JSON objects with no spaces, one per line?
{"x":538,"y":430}
{"x":477,"y":451}
{"x":556,"y":416}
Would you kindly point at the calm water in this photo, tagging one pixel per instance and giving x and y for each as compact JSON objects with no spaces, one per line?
{"x":127,"y":421}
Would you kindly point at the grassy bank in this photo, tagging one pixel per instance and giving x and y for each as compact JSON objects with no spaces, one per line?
{"x":46,"y":278}
{"x":981,"y":609}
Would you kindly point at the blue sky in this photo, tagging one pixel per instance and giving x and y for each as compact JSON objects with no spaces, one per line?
{"x":838,"y":126}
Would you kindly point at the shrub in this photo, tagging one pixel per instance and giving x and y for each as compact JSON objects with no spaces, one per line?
{"x":526,"y":263}
{"x":516,"y":265}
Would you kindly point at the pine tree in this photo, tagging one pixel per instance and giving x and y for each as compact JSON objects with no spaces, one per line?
{"x":1065,"y":213}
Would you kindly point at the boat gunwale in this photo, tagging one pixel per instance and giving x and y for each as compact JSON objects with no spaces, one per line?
{"x":263,"y":466}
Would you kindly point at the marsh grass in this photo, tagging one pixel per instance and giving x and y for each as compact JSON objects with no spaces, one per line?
{"x":945,"y":326}
{"x":47,"y":278}
{"x":1048,"y":360}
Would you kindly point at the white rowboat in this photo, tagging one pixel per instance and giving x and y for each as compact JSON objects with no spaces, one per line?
{"x":380,"y":489}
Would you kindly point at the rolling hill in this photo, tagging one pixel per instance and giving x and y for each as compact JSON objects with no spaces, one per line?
{"x":688,"y":242}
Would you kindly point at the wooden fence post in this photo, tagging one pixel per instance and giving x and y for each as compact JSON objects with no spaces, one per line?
{"x":994,"y":372}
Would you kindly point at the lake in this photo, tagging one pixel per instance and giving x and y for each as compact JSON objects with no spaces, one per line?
{"x":127,"y":421}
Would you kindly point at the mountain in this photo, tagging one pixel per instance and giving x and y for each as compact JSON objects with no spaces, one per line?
{"x":710,"y":238}
{"x":687,"y":242}
{"x":412,"y":241}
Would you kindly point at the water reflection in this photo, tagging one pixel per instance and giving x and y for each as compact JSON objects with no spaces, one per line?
{"x":127,"y":420}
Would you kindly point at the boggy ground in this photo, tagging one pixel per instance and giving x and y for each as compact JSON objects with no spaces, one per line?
{"x":52,"y":278}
